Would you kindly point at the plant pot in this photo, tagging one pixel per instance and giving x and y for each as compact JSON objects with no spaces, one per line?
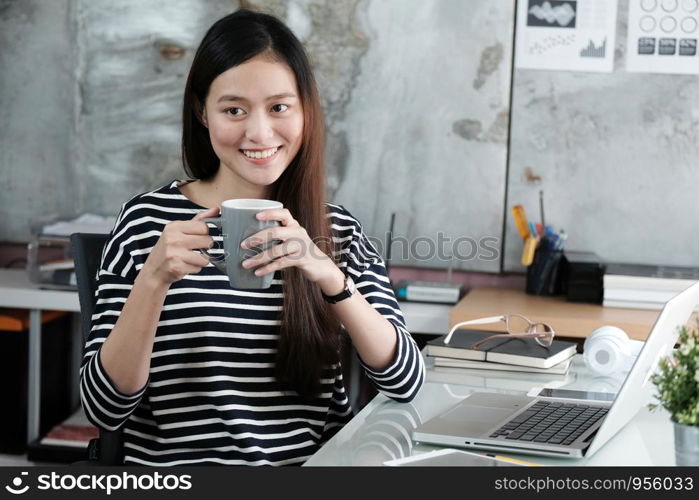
{"x":686,"y":444}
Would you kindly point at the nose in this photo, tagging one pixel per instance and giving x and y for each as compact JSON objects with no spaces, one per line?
{"x":259,"y":128}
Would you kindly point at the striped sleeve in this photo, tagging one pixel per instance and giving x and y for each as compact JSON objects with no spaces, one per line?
{"x":105,"y":406}
{"x":405,"y":375}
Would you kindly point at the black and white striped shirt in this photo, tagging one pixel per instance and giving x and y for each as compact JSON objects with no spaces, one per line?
{"x":211,"y":396}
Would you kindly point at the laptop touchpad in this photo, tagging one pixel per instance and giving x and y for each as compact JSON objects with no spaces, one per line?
{"x":481,"y":411}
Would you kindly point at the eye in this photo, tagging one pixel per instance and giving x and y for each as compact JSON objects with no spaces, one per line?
{"x":278,"y":108}
{"x":235,"y":111}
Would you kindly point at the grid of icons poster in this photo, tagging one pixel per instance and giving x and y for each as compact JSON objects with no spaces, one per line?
{"x":670,"y":27}
{"x":665,"y":34}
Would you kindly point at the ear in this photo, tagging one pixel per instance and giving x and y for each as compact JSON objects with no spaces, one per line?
{"x":200,"y":113}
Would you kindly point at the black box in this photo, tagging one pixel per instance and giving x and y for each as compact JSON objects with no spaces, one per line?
{"x":584,"y":277}
{"x":55,"y":374}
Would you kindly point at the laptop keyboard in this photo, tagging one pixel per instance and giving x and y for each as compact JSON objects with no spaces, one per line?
{"x":551,"y":422}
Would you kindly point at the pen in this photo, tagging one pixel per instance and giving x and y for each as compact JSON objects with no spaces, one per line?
{"x":549,"y":238}
{"x":562,"y":237}
{"x":521,"y":220}
{"x":387,"y":264}
{"x":532,"y":229}
{"x":510,"y":459}
{"x":554,"y":242}
{"x":529,"y":249}
{"x":541,"y":207}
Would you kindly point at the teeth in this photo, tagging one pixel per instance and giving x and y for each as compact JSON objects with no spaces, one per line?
{"x":260,"y":154}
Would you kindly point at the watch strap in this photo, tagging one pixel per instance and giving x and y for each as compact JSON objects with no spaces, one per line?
{"x":344,"y":294}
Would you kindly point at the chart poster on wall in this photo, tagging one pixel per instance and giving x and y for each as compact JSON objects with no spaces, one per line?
{"x":663,"y":36}
{"x":566,"y":35}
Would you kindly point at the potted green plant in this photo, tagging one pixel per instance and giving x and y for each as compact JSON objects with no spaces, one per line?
{"x":677,"y":383}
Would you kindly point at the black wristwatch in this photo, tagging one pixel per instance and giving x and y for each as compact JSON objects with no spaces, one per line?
{"x":344,"y":294}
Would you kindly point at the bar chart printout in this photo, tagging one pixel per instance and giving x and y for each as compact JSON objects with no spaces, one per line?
{"x":568,"y":35}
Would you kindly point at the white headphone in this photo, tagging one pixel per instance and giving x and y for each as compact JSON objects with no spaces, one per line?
{"x":608,"y":350}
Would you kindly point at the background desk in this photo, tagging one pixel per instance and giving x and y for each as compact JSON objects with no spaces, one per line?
{"x":569,"y":319}
{"x":18,"y":292}
{"x":381,"y":431}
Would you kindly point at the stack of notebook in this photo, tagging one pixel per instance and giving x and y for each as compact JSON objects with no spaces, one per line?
{"x":503,"y":353}
{"x":639,"y":286}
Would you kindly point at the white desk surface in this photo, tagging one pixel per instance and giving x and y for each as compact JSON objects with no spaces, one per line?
{"x":17,"y":291}
{"x":382,"y":430}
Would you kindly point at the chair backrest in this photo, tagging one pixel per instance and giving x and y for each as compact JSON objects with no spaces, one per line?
{"x":87,"y":253}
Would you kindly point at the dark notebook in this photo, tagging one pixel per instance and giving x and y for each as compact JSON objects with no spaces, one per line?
{"x":512,"y":351}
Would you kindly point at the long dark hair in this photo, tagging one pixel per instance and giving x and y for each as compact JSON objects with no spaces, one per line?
{"x":309,"y":339}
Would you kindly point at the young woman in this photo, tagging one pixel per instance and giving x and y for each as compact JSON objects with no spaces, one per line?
{"x":194,"y":370}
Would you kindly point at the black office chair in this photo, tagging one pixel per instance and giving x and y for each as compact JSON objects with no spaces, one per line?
{"x":87,"y":252}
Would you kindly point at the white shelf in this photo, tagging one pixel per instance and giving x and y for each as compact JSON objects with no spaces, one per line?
{"x":426,"y":318}
{"x":17,"y":291}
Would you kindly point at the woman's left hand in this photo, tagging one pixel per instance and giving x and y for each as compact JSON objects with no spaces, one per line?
{"x":295,"y":248}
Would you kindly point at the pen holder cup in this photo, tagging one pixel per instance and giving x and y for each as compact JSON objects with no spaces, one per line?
{"x":543,"y":275}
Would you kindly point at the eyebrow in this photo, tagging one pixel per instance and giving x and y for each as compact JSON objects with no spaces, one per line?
{"x":243,"y":99}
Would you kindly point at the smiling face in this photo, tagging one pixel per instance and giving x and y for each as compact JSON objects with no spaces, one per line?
{"x":255,"y":120}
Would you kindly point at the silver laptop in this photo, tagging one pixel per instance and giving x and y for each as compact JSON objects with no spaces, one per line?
{"x":560,"y":428}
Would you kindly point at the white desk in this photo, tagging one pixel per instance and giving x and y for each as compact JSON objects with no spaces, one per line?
{"x":17,"y":291}
{"x":381,"y":431}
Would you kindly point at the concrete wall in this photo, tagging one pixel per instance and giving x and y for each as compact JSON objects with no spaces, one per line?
{"x":37,"y":74}
{"x":133,"y":61}
{"x":617,"y":157}
{"x":416,"y":95}
{"x":426,"y":128}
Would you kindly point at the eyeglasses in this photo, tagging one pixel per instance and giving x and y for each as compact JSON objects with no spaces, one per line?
{"x":517,"y":326}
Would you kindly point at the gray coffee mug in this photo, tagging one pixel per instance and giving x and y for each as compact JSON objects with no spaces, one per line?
{"x":237,"y":222}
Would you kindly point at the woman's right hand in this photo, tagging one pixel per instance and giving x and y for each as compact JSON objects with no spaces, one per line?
{"x":174,"y":256}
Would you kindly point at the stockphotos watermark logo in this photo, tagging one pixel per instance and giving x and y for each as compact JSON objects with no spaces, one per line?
{"x":441,"y":247}
{"x":17,"y":486}
{"x":106,"y":483}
